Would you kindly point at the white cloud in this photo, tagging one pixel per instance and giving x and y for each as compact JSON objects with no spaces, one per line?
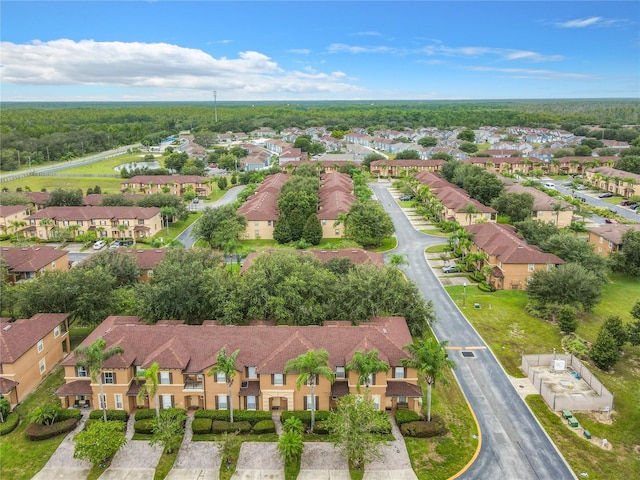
{"x":66,"y":62}
{"x":532,"y":73}
{"x":343,"y":48}
{"x":588,"y":22}
{"x":301,"y":51}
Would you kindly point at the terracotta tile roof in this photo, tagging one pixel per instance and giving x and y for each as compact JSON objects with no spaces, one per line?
{"x":333,"y":203}
{"x":502,"y":242}
{"x":613,"y":232}
{"x":457,"y":200}
{"x":38,"y":198}
{"x":252,"y":388}
{"x":260,"y":346}
{"x":77,"y":387}
{"x":340,"y":388}
{"x":613,"y":172}
{"x":18,"y":337}
{"x":90,"y":213}
{"x":260,"y":206}
{"x":6,"y":385}
{"x":432,"y":180}
{"x":7,"y":210}
{"x":148,"y":259}
{"x":398,"y":388}
{"x":30,"y":259}
{"x":541,"y":201}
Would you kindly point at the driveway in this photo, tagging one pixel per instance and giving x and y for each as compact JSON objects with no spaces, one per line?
{"x":514,"y":445}
{"x":195,"y":460}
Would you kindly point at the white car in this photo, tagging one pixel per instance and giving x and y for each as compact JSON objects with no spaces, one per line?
{"x":99,"y":244}
{"x":550,"y":185}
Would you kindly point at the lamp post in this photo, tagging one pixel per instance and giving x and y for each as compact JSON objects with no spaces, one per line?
{"x":464,"y":294}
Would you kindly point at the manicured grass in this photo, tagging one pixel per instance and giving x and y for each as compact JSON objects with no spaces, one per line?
{"x":108,"y":165}
{"x":441,"y":457}
{"x":37,"y":183}
{"x":292,"y":469}
{"x":175,"y":229}
{"x":22,"y":458}
{"x":438,"y":248}
{"x":387,"y":244}
{"x":435,"y":231}
{"x":165,"y":464}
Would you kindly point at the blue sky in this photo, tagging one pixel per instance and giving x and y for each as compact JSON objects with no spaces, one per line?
{"x":307,"y":50}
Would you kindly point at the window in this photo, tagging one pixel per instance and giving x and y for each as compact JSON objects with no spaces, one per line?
{"x":398,"y":372}
{"x":79,"y":222}
{"x":340,"y":372}
{"x":252,"y":402}
{"x":309,"y":404}
{"x":531,"y":267}
{"x":166,"y":401}
{"x":337,"y":231}
{"x":402,"y":400}
{"x":277,"y":379}
{"x":56,"y":331}
{"x":324,"y":222}
{"x":256,"y":233}
{"x":40,"y":346}
{"x":372,"y":379}
{"x":118,"y":401}
{"x":252,"y":372}
{"x":256,"y":223}
{"x":140,"y":222}
{"x":221,"y":401}
{"x":109,"y":378}
{"x":81,"y":371}
{"x":103,"y":401}
{"x":42,"y":365}
{"x":53,"y":264}
{"x":610,"y":244}
{"x":601,"y":240}
{"x":268,"y":223}
{"x":376,"y":401}
{"x":125,"y":223}
{"x":165,"y":378}
{"x":221,"y":377}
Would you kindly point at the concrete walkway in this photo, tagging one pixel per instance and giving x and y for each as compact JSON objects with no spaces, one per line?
{"x":62,"y":465}
{"x":196,"y":460}
{"x":394,"y":464}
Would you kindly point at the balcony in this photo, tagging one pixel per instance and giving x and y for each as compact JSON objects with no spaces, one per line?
{"x":193,"y":384}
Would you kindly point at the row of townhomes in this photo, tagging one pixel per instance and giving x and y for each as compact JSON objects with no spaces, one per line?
{"x":512,"y":259}
{"x":545,"y":207}
{"x":173,"y":184}
{"x":29,"y":350}
{"x":607,"y":238}
{"x":261,"y":208}
{"x":186,"y":353}
{"x":616,"y":181}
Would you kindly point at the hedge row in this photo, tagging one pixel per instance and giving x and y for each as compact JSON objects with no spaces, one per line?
{"x":251,"y":416}
{"x":220,"y":426}
{"x":203,"y":426}
{"x":305,"y":416}
{"x":145,"y":413}
{"x":423,"y":429}
{"x":406,"y":416}
{"x":144,"y":426}
{"x":67,"y":413}
{"x":112,"y":415}
{"x":35,"y":431}
{"x":10,"y":423}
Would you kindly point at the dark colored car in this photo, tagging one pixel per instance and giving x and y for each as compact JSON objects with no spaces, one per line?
{"x":405,"y":198}
{"x":605,"y":195}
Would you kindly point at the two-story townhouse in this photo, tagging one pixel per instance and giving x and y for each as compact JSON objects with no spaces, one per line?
{"x":13,"y":218}
{"x":335,"y":198}
{"x":398,"y":168}
{"x":26,"y":263}
{"x":186,"y":353}
{"x":29,"y":350}
{"x":545,"y":207}
{"x":616,"y":181}
{"x":512,"y":259}
{"x":461,"y":208}
{"x":607,"y":238}
{"x":263,"y":132}
{"x":174,"y":184}
{"x":107,"y":222}
{"x":261,"y":208}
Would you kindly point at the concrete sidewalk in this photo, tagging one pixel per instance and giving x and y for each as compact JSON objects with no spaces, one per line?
{"x":195,"y":460}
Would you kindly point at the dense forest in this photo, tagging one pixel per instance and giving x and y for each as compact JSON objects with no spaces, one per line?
{"x":46,"y":132}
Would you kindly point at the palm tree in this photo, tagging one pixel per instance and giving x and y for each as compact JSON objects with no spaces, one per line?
{"x":310,"y":366}
{"x":430,"y":359}
{"x":557,"y":208}
{"x":150,"y":387}
{"x":17,"y":224}
{"x":46,"y":223}
{"x":366,"y":365}
{"x":226,"y":365}
{"x":470,"y":211}
{"x":92,"y":358}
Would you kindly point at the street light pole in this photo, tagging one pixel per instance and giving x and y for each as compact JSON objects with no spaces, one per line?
{"x":464,"y":294}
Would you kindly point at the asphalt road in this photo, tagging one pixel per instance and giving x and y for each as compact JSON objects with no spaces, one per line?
{"x":514,"y":445}
{"x":229,"y":197}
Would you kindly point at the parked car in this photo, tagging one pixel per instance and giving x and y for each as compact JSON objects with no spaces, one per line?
{"x":610,"y":220}
{"x":451,"y":268}
{"x":115,"y":244}
{"x":99,"y":244}
{"x":549,"y":185}
{"x":605,"y":195}
{"x":582,"y":187}
{"x":406,"y":198}
{"x":127,"y":243}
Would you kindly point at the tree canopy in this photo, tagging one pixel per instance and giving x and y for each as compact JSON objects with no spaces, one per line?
{"x":367,"y":223}
{"x":568,"y":284}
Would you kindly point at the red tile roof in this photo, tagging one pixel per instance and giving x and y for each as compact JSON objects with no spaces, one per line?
{"x":89,"y":213}
{"x":18,"y":337}
{"x":30,"y":259}
{"x":613,"y":232}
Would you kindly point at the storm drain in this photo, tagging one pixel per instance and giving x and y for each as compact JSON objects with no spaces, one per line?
{"x":468,"y":354}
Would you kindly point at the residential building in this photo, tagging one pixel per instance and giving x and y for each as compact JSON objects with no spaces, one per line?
{"x":398,"y":168}
{"x":107,"y":222}
{"x":13,"y":218}
{"x":146,"y":260}
{"x":607,"y":238}
{"x":545,"y":207}
{"x":512,"y":259}
{"x":29,"y":350}
{"x":174,"y":184}
{"x":616,"y":181}
{"x":186,"y":353}
{"x":26,"y":263}
{"x":261,"y":208}
{"x":335,"y":198}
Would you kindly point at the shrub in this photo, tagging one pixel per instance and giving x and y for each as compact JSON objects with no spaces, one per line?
{"x":66,"y":414}
{"x":305,"y":416}
{"x":567,"y":320}
{"x":11,"y":421}
{"x":145,"y":413}
{"x":36,"y":431}
{"x":423,"y":429}
{"x":575,"y":345}
{"x":200,"y":426}
{"x":264,"y":426}
{"x":220,"y":426}
{"x":112,"y":415}
{"x":144,"y":426}
{"x":251,"y":416}
{"x":406,"y":416}
{"x":384,"y":426}
{"x":321,"y":428}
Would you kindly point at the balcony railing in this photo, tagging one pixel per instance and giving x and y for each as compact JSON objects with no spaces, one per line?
{"x":193,"y":385}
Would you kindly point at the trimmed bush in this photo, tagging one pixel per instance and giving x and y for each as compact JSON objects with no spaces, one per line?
{"x":250,"y":416}
{"x":421,"y":429}
{"x":220,"y":426}
{"x":305,"y":416}
{"x":201,"y":426}
{"x":264,"y":426}
{"x":35,"y":431}
{"x":144,"y":426}
{"x":385,"y":424}
{"x":10,"y":423}
{"x":112,"y":415}
{"x":406,"y":416}
{"x":321,"y":428}
{"x":66,"y":414}
{"x":145,"y":413}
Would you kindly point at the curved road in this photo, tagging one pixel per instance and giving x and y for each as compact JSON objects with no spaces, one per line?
{"x":514,"y":445}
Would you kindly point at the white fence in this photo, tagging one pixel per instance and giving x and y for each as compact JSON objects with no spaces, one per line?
{"x":603,"y":398}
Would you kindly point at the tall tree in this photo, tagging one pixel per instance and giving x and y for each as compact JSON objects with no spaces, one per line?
{"x":368,"y":224}
{"x":310,"y":366}
{"x":150,"y":386}
{"x":92,"y":357}
{"x":219,"y":225}
{"x":366,"y":365}
{"x":569,"y":284}
{"x":227,"y":366}
{"x":430,"y":359}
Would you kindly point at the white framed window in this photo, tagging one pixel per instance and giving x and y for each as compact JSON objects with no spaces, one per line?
{"x":40,"y":345}
{"x":109,"y":378}
{"x":118,"y":401}
{"x":309,"y":404}
{"x":53,"y":264}
{"x":372,"y":379}
{"x":103,"y":401}
{"x":278,"y":379}
{"x":610,"y":244}
{"x":221,"y":377}
{"x":601,"y":240}
{"x":256,"y":223}
{"x":43,"y":365}
{"x":165,"y":378}
{"x":531,"y":267}
{"x":324,"y":222}
{"x":82,"y":371}
{"x":376,"y":401}
{"x":340,"y":372}
{"x":337,"y":231}
{"x":56,"y":331}
{"x":600,"y":250}
{"x":252,"y":403}
{"x":222,"y":402}
{"x":398,"y":372}
{"x":252,"y":372}
{"x":166,"y":401}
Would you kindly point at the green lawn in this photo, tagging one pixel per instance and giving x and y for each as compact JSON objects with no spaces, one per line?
{"x":37,"y":183}
{"x":108,"y":165}
{"x":442,"y":248}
